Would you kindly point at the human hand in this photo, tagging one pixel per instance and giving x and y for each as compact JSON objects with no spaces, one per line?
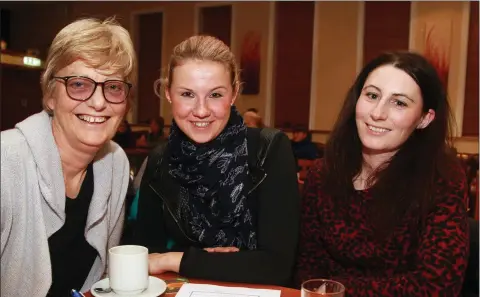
{"x":220,"y":249}
{"x":160,"y":263}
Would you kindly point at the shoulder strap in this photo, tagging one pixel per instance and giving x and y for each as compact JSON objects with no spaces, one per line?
{"x":266,"y":137}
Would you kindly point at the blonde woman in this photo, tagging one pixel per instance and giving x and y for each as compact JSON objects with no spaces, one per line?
{"x":219,"y":200}
{"x":63,"y":180}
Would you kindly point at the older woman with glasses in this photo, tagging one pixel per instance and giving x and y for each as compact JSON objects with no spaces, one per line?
{"x":63,"y":180}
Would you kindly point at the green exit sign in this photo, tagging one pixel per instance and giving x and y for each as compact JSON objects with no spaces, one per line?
{"x":31,"y":61}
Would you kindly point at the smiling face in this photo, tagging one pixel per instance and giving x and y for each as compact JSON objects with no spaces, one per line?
{"x":388,"y":110}
{"x":89,"y":123}
{"x":201,"y":94}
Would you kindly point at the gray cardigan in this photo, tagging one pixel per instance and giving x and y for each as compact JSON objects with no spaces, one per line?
{"x":33,"y":206}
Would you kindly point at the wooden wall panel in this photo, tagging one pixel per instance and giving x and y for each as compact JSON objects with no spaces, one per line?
{"x":470,"y":113}
{"x":149,"y":53}
{"x":21,"y":95}
{"x":387,"y":26}
{"x":216,"y":21}
{"x":293,"y":62}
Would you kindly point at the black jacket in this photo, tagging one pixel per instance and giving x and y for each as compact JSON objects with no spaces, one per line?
{"x":275,"y":190}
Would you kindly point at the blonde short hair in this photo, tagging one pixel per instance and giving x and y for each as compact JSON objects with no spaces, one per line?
{"x":104,"y":45}
{"x":203,"y":48}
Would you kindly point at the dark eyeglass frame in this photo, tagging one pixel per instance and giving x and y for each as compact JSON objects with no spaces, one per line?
{"x":65,"y":79}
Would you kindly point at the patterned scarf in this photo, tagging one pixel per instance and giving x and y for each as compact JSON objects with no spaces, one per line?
{"x":213,"y":185}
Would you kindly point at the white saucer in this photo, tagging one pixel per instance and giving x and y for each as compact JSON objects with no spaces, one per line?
{"x":156,"y":287}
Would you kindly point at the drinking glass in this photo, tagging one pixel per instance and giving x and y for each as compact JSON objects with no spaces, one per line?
{"x":322,"y":288}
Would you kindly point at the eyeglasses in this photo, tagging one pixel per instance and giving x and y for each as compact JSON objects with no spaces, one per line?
{"x":81,"y":88}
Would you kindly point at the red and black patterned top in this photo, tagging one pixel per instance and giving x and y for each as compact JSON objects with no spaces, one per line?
{"x":339,"y":244}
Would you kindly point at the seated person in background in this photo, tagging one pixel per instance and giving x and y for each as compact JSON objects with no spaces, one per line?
{"x":219,"y":200}
{"x":63,"y":180}
{"x":384,"y":212}
{"x":155,"y":136}
{"x":124,"y":137}
{"x":302,"y":145}
{"x":253,"y":119}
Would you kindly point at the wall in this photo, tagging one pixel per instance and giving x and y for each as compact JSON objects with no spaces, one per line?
{"x":470,"y":110}
{"x":382,"y":32}
{"x":148,"y":45}
{"x":339,"y":32}
{"x":450,"y":22}
{"x":336,"y":52}
{"x":178,"y":23}
{"x":25,"y":20}
{"x":452,"y":18}
{"x":25,"y":101}
{"x":293,"y":63}
{"x":254,"y":16}
{"x":338,"y":43}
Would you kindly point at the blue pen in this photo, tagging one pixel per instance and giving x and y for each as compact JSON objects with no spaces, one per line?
{"x":77,"y":294}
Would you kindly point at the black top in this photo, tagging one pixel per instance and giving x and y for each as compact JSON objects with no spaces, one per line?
{"x":273,"y":191}
{"x":71,"y":255}
{"x":338,"y":242}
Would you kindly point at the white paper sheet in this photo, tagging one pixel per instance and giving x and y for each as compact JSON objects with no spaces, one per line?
{"x":201,"y":290}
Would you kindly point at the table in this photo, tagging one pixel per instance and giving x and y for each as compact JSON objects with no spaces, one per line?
{"x":286,"y":292}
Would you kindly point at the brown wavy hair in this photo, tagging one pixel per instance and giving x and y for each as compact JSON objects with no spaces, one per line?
{"x":407,"y":180}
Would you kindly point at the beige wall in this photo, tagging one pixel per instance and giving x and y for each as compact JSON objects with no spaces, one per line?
{"x":179,"y":24}
{"x":339,"y":33}
{"x":334,"y":61}
{"x":450,"y":20}
{"x":338,"y":41}
{"x":253,"y":16}
{"x":468,"y":145}
{"x":454,"y":16}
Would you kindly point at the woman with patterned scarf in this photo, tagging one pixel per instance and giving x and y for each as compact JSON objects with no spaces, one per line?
{"x":219,"y":200}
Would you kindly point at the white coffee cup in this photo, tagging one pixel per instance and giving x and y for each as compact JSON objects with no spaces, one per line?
{"x":128,"y":269}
